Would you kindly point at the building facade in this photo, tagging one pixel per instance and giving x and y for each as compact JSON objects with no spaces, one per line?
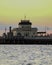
{"x":25,"y":29}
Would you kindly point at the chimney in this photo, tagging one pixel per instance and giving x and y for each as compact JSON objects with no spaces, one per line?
{"x":10,"y":29}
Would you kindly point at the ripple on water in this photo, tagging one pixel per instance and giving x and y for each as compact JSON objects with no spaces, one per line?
{"x":25,"y":54}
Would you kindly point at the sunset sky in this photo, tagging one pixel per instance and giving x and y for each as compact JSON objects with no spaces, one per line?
{"x":38,"y":11}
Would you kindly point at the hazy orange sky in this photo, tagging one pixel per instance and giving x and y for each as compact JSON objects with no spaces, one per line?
{"x":38,"y":11}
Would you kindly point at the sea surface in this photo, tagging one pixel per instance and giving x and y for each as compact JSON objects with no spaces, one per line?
{"x":25,"y":54}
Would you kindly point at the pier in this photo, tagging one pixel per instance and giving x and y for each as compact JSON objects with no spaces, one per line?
{"x":25,"y":41}
{"x":25,"y":34}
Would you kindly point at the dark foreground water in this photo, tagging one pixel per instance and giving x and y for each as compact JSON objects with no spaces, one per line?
{"x":25,"y":54}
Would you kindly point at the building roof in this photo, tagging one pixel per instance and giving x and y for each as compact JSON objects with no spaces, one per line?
{"x":41,"y":32}
{"x":14,"y":29}
{"x":21,"y":29}
{"x":25,"y":22}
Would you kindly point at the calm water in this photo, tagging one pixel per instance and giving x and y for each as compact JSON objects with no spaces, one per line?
{"x":25,"y":54}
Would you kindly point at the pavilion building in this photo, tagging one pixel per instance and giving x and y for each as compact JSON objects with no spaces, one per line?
{"x":25,"y":29}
